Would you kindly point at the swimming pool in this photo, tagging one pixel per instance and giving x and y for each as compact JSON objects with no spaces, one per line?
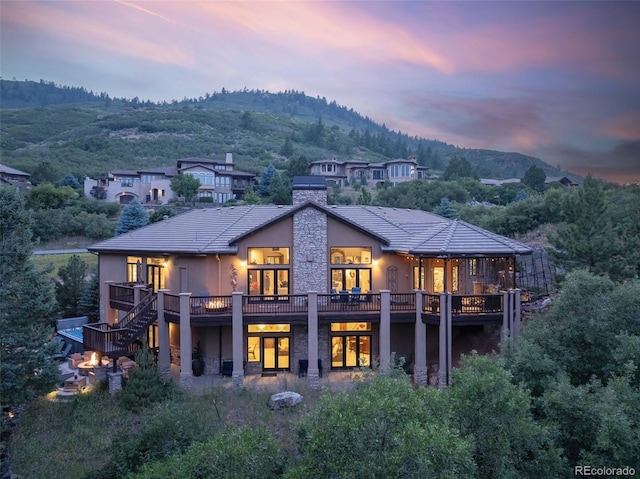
{"x":73,"y":336}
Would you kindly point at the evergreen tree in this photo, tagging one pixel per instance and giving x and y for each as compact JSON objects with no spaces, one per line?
{"x":89,"y":304}
{"x":27,"y":305}
{"x":280,"y":190}
{"x":133,"y":216}
{"x":70,"y":286}
{"x":71,"y":181}
{"x":586,"y":238}
{"x":250,"y":197}
{"x":298,"y":167}
{"x":458,"y":168}
{"x":365,"y":197}
{"x":534,"y":178}
{"x":446,"y":208}
{"x":186,"y":186}
{"x":287,"y":148}
{"x":265,"y":180}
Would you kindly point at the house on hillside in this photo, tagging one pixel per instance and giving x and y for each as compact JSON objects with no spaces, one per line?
{"x":16,"y":178}
{"x":343,"y":173}
{"x":559,"y":180}
{"x":219,"y":181}
{"x":304,"y":288}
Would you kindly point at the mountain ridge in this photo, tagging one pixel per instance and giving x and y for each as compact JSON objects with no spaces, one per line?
{"x":62,"y":125}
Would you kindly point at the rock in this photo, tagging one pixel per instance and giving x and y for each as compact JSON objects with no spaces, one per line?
{"x":284,"y":399}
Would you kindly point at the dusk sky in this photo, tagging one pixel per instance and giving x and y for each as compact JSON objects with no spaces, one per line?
{"x":555,"y":80}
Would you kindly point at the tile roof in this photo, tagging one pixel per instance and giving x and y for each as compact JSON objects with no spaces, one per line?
{"x":217,"y":230}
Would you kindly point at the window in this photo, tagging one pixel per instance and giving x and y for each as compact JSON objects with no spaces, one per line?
{"x":349,"y":278}
{"x":419,"y":281}
{"x":351,"y":255}
{"x":224,"y":197}
{"x":134,"y":269}
{"x":393,"y":171}
{"x":273,"y":255}
{"x":378,"y":174}
{"x":405,"y":171}
{"x":126,"y":182}
{"x":350,"y":345}
{"x":268,"y":282}
{"x":223,"y":181}
{"x":208,"y":179}
{"x":473,"y":267}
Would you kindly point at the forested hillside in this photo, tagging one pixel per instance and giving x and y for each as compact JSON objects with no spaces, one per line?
{"x":69,"y":130}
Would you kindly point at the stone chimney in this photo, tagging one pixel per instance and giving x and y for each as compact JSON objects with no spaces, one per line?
{"x":309,"y":188}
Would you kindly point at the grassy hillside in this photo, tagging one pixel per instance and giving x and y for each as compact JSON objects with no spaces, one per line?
{"x":69,"y":130}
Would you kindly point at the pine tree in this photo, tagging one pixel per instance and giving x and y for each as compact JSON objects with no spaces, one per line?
{"x":534,"y":178}
{"x":133,"y":216}
{"x":89,"y":304}
{"x":586,"y":238}
{"x":265,"y":180}
{"x":70,"y":286}
{"x":446,"y":208}
{"x":280,"y":190}
{"x":27,"y":305}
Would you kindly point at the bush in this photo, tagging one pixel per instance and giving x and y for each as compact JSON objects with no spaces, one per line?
{"x":240,"y":452}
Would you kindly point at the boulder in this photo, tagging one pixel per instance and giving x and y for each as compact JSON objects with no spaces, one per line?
{"x":284,"y":399}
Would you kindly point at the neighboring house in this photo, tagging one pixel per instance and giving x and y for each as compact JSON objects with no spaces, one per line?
{"x":561,"y":180}
{"x":18,"y":179}
{"x":342,"y":173}
{"x":218,"y":181}
{"x":277,"y":287}
{"x":493,"y":182}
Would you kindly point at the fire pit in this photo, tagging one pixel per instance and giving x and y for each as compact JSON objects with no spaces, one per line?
{"x":86,"y":366}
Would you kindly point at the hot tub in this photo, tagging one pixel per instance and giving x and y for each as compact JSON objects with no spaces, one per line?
{"x":73,"y":336}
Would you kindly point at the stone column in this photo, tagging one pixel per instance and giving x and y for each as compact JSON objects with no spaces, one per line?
{"x":517,"y":302}
{"x":313,"y":372}
{"x":420,"y":376}
{"x":506,"y":324}
{"x":385,"y":330}
{"x":186,"y":346}
{"x":164,"y":352}
{"x":444,"y":366}
{"x":115,"y":382}
{"x":237,"y":375}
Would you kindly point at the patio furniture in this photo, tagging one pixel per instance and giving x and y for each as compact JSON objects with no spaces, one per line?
{"x":64,"y":352}
{"x":227,"y":367}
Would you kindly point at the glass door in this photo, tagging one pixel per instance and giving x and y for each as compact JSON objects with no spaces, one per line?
{"x":350,"y":351}
{"x":275,"y":353}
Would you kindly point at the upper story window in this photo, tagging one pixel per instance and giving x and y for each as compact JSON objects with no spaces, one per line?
{"x":148,"y":178}
{"x":274,"y":255}
{"x":126,"y":182}
{"x":223,"y":180}
{"x":378,"y":174}
{"x":328,"y":168}
{"x":219,"y":167}
{"x":405,"y":170}
{"x":394,"y":171}
{"x":134,"y":269}
{"x":351,"y":255}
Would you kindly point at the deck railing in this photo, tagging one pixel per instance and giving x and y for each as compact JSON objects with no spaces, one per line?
{"x":339,"y":303}
{"x":210,"y":305}
{"x":267,"y":304}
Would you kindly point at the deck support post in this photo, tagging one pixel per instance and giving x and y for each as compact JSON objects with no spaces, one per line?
{"x":164,"y":353}
{"x":444,"y":366}
{"x":420,"y":361}
{"x":385,"y":330}
{"x":517,"y":306}
{"x":186,"y":346}
{"x":237,"y":374}
{"x":506,"y":317}
{"x":137,"y":293}
{"x":313,"y":372}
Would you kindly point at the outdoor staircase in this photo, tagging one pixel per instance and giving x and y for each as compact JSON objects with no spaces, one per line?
{"x":136,"y":322}
{"x":121,"y":339}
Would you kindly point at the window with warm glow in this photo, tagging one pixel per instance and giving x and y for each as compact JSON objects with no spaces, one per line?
{"x":351,"y":255}
{"x":269,"y":328}
{"x":350,"y":326}
{"x":272,"y":255}
{"x":134,"y":268}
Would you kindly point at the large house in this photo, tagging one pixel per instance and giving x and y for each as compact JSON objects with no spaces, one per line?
{"x":344,"y":173}
{"x":218,"y":181}
{"x":307,"y":287}
{"x":16,"y":178}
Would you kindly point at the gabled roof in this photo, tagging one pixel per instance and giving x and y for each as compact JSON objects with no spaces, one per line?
{"x":7,"y":170}
{"x":218,"y":230}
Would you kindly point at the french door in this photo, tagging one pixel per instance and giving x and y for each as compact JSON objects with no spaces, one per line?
{"x":275,"y":353}
{"x":351,"y":351}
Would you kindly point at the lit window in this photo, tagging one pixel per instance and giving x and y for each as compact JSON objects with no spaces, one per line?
{"x":273,"y":255}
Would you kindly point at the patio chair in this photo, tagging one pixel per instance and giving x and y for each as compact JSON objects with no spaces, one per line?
{"x":227,"y":367}
{"x":303,"y":367}
{"x":64,"y":353}
{"x":355,"y":294}
{"x":335,"y":297}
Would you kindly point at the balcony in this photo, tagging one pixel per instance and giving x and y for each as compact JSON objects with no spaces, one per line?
{"x":217,"y":310}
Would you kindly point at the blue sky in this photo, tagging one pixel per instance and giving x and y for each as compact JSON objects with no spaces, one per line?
{"x":556,"y":80}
